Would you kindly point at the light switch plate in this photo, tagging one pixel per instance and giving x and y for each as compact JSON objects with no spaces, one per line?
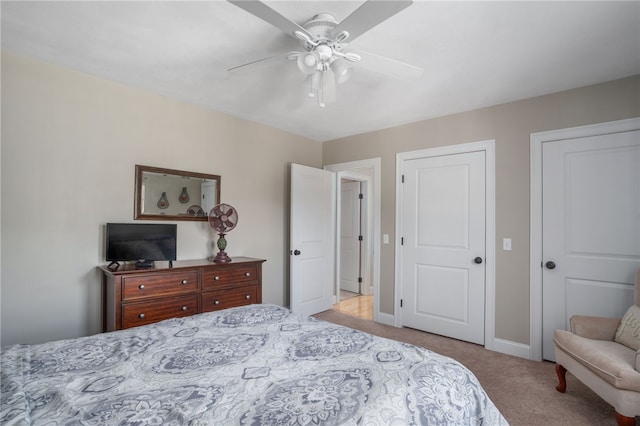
{"x":506,"y":244}
{"x":385,"y":238}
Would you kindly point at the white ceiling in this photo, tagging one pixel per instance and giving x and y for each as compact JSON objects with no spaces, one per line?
{"x":474,"y":54}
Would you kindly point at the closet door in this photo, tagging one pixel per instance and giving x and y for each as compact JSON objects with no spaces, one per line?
{"x":443,"y":250}
{"x":591,"y":228}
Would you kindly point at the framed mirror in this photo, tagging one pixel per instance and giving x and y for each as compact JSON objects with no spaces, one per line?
{"x":166,"y":194}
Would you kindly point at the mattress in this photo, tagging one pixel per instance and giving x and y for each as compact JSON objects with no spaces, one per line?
{"x":252,"y":365}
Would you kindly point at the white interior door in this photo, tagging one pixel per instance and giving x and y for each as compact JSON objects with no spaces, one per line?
{"x":443,"y":249}
{"x":350,"y":236}
{"x":591,"y":228}
{"x":312,"y":239}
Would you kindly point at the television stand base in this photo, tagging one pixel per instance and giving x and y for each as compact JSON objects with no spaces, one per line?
{"x":145,"y":264}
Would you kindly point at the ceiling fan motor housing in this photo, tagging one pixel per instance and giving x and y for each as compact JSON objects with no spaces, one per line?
{"x":320,"y":27}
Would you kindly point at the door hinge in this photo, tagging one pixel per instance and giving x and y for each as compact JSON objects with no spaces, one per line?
{"x":401,"y":303}
{"x":361,"y":196}
{"x":402,"y":178}
{"x":360,"y":238}
{"x":359,"y":279}
{"x":401,"y":241}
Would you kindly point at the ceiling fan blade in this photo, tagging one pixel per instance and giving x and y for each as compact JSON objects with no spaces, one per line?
{"x":260,"y":63}
{"x":368,"y":15}
{"x":388,"y":66}
{"x":264,"y":12}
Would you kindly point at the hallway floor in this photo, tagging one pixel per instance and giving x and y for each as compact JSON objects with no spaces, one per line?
{"x":355,"y":305}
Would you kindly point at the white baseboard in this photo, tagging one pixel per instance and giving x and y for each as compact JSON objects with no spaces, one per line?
{"x":499,"y":345}
{"x":387,"y":319}
{"x":511,"y":348}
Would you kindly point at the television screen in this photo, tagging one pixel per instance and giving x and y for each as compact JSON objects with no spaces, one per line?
{"x":140,"y":241}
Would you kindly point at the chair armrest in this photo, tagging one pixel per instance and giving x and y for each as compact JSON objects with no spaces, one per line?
{"x":597,"y":328}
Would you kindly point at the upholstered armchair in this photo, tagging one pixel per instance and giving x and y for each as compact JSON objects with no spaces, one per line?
{"x":604,"y":354}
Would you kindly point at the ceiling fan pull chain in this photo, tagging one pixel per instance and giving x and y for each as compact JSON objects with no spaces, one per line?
{"x":315,"y":84}
{"x":321,"y":92}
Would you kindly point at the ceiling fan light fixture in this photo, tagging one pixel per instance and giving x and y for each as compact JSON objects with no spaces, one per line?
{"x":323,"y":40}
{"x":307,"y":62}
{"x":341,"y":70}
{"x":328,"y":86}
{"x":324,"y":52}
{"x":315,"y":84}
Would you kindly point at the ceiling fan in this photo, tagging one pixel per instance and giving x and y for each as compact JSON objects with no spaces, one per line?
{"x":324,"y":57}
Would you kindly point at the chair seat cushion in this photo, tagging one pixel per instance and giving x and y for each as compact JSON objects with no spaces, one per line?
{"x":628,"y":332}
{"x":613,"y":362}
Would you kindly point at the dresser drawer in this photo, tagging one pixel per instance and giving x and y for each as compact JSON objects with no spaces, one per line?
{"x":134,"y":297}
{"x":237,"y":275}
{"x":214,"y":300}
{"x":159,"y":285}
{"x":135,"y":314}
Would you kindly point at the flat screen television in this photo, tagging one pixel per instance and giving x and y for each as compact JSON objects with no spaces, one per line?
{"x":140,"y":242}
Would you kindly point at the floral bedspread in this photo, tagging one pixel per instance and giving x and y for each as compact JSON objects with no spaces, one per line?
{"x":253,"y":365}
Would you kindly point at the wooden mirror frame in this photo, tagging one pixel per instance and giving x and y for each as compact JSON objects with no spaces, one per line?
{"x":175,"y":196}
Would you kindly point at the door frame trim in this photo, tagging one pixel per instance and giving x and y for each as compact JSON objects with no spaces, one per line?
{"x":535,"y":226}
{"x":488,"y":146}
{"x":357,"y":169}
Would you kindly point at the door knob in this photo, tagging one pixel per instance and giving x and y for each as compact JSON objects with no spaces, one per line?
{"x":295,"y":252}
{"x":550,"y":265}
{"x":477,"y":260}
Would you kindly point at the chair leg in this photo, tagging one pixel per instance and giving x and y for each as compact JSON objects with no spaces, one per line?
{"x":624,"y":420}
{"x":562,"y":378}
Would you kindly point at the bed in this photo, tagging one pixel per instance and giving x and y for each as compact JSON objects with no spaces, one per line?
{"x":252,"y":365}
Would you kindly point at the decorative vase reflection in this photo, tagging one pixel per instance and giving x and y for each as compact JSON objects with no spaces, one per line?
{"x":184,"y":195}
{"x":163,"y":202}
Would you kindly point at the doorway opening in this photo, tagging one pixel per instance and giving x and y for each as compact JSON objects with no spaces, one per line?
{"x":357,"y":238}
{"x":354,"y":293}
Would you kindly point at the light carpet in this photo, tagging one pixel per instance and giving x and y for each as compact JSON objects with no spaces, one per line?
{"x":523,"y":390}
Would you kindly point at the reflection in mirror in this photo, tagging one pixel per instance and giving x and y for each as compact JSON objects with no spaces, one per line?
{"x":165,"y":194}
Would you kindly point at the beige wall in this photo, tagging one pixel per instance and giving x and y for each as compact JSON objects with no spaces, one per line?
{"x":510,"y":125}
{"x":70,"y":143}
{"x":69,"y":146}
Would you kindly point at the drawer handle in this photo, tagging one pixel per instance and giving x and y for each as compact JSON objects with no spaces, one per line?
{"x":247,"y":274}
{"x":247,"y":296}
{"x":216,"y":302}
{"x":141,"y":286}
{"x":184,"y":281}
{"x":184,"y":308}
{"x":142,"y":316}
{"x":216,"y":278}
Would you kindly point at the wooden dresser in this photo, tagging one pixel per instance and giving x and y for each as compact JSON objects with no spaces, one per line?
{"x":133,"y":297}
